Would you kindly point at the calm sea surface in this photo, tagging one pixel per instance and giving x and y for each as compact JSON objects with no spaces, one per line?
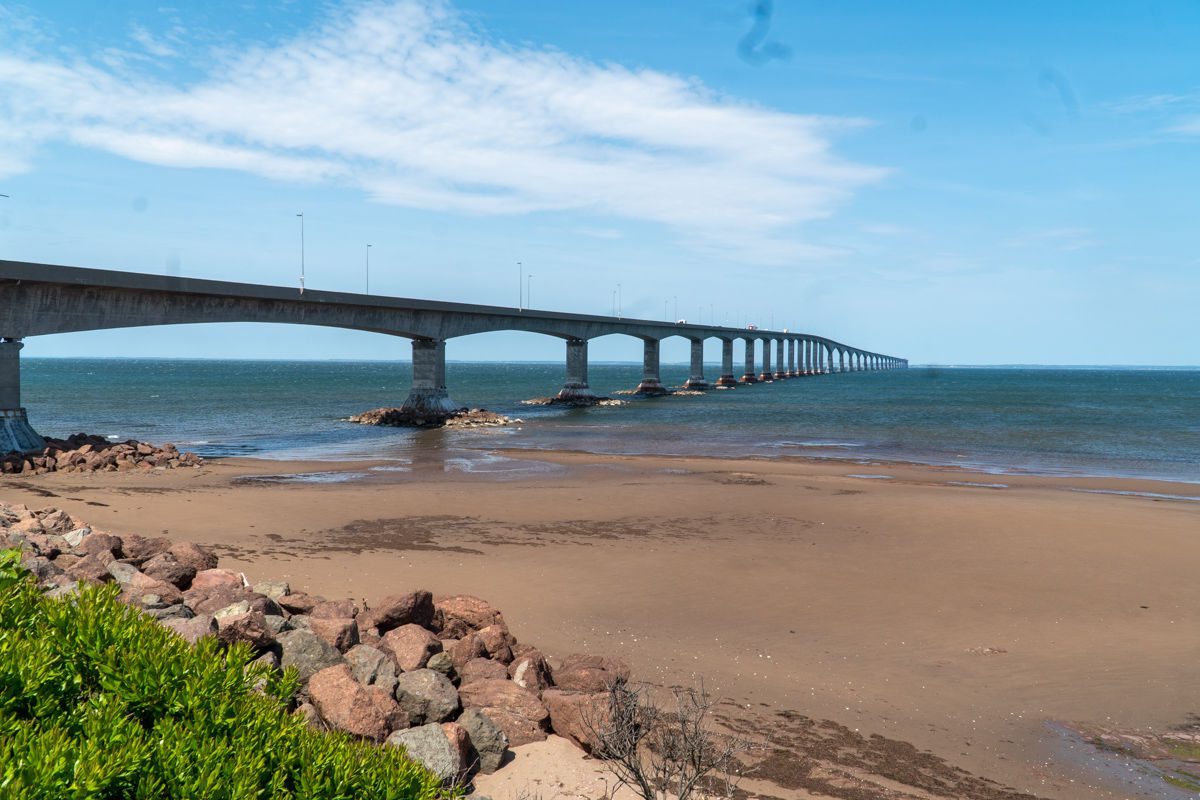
{"x":1142,"y":423}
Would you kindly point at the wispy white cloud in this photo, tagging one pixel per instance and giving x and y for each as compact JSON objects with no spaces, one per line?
{"x":408,"y":102}
{"x":1065,"y":239}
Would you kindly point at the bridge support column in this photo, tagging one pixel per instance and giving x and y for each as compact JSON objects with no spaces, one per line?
{"x":15,"y":432}
{"x":696,"y":375}
{"x":428,"y":394}
{"x":748,"y":376}
{"x":780,"y":363}
{"x":767,"y":374}
{"x":806,"y":351}
{"x":651,"y":384}
{"x":576,"y":385}
{"x":727,"y":378}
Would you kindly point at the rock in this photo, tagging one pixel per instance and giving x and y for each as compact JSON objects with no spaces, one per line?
{"x":531,"y":671}
{"x":478,"y":669}
{"x":276,"y":624}
{"x":414,"y":608}
{"x":232,"y":610}
{"x":429,"y":746}
{"x":122,"y":572}
{"x":60,"y":522}
{"x":192,"y":555}
{"x":298,"y":603}
{"x":440,"y":662}
{"x":487,"y":740}
{"x":272,"y":589}
{"x":249,"y":627}
{"x":516,"y":711}
{"x":578,"y":715}
{"x":426,"y":696}
{"x":99,"y":544}
{"x":348,"y":706}
{"x":73,"y":537}
{"x":311,"y":716}
{"x":140,"y":585}
{"x":455,"y":617}
{"x":177,"y":611}
{"x":584,"y":673}
{"x":334,"y":609}
{"x":192,"y":629}
{"x":372,"y":667}
{"x":460,"y":743}
{"x":139,"y":549}
{"x":410,"y":646}
{"x":40,"y":567}
{"x":465,"y":649}
{"x":166,"y":567}
{"x":498,"y":642}
{"x":89,"y":568}
{"x":217,"y":579}
{"x":341,"y":633}
{"x":307,"y":652}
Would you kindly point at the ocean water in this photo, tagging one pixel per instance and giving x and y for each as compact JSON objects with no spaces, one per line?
{"x":1128,"y":422}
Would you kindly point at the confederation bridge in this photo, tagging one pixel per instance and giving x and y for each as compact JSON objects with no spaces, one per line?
{"x":38,"y":299}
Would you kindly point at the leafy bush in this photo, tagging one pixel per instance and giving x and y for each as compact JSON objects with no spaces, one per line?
{"x":99,"y":701}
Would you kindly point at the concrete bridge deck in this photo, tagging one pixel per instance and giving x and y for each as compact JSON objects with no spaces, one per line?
{"x":39,"y":299}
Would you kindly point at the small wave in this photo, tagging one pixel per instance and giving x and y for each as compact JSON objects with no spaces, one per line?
{"x":871,"y":477}
{"x":978,"y":485}
{"x":303,"y":477}
{"x":390,"y":469}
{"x":1151,"y":495}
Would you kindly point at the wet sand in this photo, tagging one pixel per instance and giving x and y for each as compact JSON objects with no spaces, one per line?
{"x":958,"y":618}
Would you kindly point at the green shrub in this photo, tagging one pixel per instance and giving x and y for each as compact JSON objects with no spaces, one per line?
{"x":99,"y":701}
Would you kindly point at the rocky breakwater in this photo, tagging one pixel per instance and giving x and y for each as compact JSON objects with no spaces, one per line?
{"x":84,"y":453}
{"x":442,"y":677}
{"x":573,"y":402}
{"x":462,"y":418}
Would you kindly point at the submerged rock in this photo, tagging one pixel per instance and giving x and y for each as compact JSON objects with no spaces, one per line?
{"x":460,"y":418}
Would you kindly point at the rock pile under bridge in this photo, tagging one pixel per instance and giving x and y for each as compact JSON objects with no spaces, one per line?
{"x":84,"y":453}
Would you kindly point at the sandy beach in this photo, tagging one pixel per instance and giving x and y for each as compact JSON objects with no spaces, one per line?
{"x":960,"y":613}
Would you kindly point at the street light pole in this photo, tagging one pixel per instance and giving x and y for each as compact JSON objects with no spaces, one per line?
{"x":619,"y":307}
{"x":368,"y":273}
{"x":528,"y":286}
{"x":301,"y":216}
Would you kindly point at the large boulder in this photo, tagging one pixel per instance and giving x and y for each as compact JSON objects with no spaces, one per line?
{"x":217,"y":579}
{"x":192,"y":555}
{"x":191,"y":630}
{"x":426,"y":696}
{"x":140,"y":549}
{"x":584,"y":673}
{"x":372,"y":667}
{"x":249,"y":627}
{"x":299,"y":602}
{"x":455,"y":617}
{"x":89,"y":568}
{"x":413,"y":608}
{"x":531,"y":671}
{"x":430,"y":747}
{"x":498,"y":642}
{"x":272,"y":589}
{"x":578,"y":716}
{"x":465,"y":649}
{"x":103,"y":545}
{"x":487,"y":740}
{"x":166,"y":567}
{"x":307,"y":652}
{"x":479,"y":669}
{"x":410,"y":646}
{"x":334,"y":609}
{"x":440,"y":662}
{"x":341,"y":633}
{"x":345,"y":704}
{"x":516,"y":711}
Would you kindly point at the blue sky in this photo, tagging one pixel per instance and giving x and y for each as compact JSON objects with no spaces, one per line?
{"x":952,"y":182}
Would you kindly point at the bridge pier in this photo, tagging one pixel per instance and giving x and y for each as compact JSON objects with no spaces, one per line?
{"x":727,"y":378}
{"x":651,"y":384}
{"x":15,"y":430}
{"x":780,"y":363}
{"x":428,"y":394}
{"x":576,"y":385}
{"x":696,"y":375}
{"x":767,"y":374}
{"x":748,"y":376}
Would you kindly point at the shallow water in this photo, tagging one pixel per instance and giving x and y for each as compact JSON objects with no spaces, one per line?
{"x":1143,"y":423}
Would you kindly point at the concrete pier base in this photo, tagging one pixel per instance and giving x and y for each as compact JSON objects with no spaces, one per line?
{"x":575,"y":387}
{"x":696,"y":374}
{"x":651,"y":384}
{"x":727,"y":380}
{"x":428,"y":395}
{"x":16,"y":434}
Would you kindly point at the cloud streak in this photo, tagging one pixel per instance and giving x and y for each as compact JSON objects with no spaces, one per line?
{"x":408,"y":102}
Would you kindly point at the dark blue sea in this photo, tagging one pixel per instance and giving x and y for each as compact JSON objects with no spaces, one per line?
{"x":1124,"y":422}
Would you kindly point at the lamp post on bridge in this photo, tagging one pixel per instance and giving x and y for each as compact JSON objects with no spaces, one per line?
{"x":528,"y":288}
{"x":301,"y":216}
